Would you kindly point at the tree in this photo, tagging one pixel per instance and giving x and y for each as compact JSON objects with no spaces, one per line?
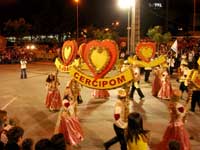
{"x":18,"y":28}
{"x":158,"y":36}
{"x":101,"y":34}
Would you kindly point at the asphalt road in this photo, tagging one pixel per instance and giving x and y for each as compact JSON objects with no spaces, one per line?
{"x":23,"y":99}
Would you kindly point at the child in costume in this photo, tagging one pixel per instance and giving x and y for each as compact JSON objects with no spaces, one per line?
{"x":53,"y":99}
{"x":74,"y":87}
{"x":69,"y":124}
{"x":156,"y":83}
{"x":165,"y":91}
{"x":176,"y":130}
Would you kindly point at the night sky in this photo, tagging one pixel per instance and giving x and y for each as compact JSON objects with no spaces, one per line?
{"x":93,"y":12}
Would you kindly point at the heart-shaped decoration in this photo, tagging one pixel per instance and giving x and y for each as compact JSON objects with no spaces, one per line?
{"x":146,"y":50}
{"x":100,"y":56}
{"x":81,"y":49}
{"x":69,"y":51}
{"x":196,"y":79}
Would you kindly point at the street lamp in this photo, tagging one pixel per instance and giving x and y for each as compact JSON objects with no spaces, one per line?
{"x":127,"y":4}
{"x":77,"y":2}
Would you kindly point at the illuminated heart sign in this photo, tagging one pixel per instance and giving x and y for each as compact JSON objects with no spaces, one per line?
{"x":146,"y":50}
{"x":99,"y":64}
{"x":196,"y":79}
{"x":69,"y":51}
{"x":81,"y":49}
{"x":100,"y":56}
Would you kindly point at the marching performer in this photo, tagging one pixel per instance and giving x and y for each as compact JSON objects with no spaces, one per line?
{"x":136,"y":84}
{"x":183,"y":81}
{"x":176,"y":129}
{"x":69,"y":124}
{"x":75,"y":89}
{"x":165,"y":91}
{"x":120,"y":123}
{"x":53,"y":99}
{"x":156,"y":83}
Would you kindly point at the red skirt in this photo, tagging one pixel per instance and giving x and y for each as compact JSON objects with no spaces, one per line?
{"x":177,"y":133}
{"x":100,"y":94}
{"x":71,"y":129}
{"x":53,"y":100}
{"x":156,"y":85}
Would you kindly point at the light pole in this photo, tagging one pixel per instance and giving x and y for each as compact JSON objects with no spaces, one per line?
{"x":194,"y":16}
{"x":77,"y":2}
{"x":135,"y":24}
{"x":127,"y":4}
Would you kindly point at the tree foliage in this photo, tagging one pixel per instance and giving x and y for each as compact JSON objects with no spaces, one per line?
{"x":157,"y":35}
{"x":101,"y":34}
{"x":18,"y":28}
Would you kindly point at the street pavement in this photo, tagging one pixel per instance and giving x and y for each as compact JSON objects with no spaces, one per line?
{"x":23,"y":99}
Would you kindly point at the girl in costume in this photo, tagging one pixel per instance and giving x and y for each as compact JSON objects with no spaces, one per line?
{"x":176,"y":130}
{"x":137,"y":137}
{"x":74,"y":87}
{"x":156,"y":84}
{"x":165,"y":91}
{"x":53,"y":99}
{"x":69,"y":124}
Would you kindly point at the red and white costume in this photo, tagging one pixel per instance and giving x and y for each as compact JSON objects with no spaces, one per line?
{"x":165,"y":91}
{"x":69,"y":124}
{"x":53,"y":98}
{"x":175,"y":129}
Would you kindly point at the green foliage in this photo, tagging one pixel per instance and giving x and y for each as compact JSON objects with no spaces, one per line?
{"x":18,"y":28}
{"x":101,"y":34}
{"x":157,"y":35}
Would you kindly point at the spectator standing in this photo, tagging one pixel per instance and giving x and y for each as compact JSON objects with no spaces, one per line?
{"x":23,"y":63}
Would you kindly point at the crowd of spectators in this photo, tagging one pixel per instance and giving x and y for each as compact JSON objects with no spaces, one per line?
{"x":12,"y":55}
{"x":12,"y":137}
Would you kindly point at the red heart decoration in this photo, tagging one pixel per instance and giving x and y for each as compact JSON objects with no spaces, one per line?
{"x":146,"y":50}
{"x":81,"y":49}
{"x":107,"y":46}
{"x":69,"y":51}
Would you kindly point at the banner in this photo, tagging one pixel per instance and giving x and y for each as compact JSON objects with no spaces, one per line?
{"x":102,"y":83}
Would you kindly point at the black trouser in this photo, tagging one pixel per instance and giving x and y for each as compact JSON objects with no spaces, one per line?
{"x":146,"y":75}
{"x":139,"y":91}
{"x":23,"y":73}
{"x":182,"y":87}
{"x":119,"y":137}
{"x":171,"y":70}
{"x":195,"y":99}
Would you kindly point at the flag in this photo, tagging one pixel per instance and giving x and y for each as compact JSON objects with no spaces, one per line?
{"x":174,"y":47}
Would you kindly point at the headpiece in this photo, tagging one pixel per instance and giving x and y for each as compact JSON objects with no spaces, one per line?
{"x":122,"y":93}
